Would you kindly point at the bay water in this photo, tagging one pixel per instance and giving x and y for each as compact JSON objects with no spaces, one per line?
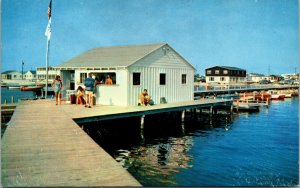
{"x":254,"y":149}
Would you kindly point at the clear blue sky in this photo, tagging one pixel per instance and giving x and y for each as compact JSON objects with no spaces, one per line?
{"x":250,"y":34}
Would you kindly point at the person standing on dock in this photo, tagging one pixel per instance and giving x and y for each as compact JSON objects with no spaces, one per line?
{"x":89,"y":83}
{"x":57,"y":85}
{"x":108,"y":80}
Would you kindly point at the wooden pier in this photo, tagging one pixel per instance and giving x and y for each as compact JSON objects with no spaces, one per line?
{"x":43,"y":146}
{"x":242,"y":89}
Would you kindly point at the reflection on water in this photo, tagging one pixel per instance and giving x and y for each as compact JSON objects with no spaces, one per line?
{"x":162,"y":150}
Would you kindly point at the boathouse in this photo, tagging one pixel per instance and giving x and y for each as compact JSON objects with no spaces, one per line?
{"x":225,"y":75}
{"x":161,"y":70}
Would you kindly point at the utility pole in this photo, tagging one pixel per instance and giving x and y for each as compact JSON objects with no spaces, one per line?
{"x":269,"y":70}
{"x":22,"y":68}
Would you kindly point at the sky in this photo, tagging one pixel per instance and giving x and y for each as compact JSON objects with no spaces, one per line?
{"x":260,"y":36}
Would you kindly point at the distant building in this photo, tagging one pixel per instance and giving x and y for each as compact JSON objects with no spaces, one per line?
{"x":273,"y":78}
{"x":225,"y":75}
{"x":30,"y":75}
{"x":255,"y":77}
{"x":156,"y":67}
{"x":41,"y":73}
{"x":290,"y":76}
{"x":11,"y":75}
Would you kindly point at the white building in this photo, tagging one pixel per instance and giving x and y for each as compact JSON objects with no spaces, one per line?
{"x":11,"y":75}
{"x":30,"y":75}
{"x":41,"y":73}
{"x":157,"y":68}
{"x":225,"y":75}
{"x":254,"y":77}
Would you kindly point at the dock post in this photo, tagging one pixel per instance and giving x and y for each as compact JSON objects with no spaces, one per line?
{"x":142,"y":128}
{"x":231,"y":112}
{"x":5,"y":101}
{"x":211,"y":111}
{"x":12,"y":100}
{"x":182,"y":115}
{"x":194,"y":113}
{"x":142,"y":121}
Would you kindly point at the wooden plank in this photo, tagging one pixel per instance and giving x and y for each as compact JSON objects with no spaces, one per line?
{"x":43,"y":146}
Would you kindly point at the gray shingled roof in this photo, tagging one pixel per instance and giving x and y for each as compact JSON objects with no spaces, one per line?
{"x":229,"y":68}
{"x":118,"y":56}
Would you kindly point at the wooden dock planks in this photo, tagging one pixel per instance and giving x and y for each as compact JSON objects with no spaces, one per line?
{"x":43,"y":146}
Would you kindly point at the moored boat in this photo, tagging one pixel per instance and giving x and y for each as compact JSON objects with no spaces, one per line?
{"x":262,"y":96}
{"x":14,"y":86}
{"x":246,"y":106}
{"x":228,"y":96}
{"x":31,"y":88}
{"x":277,"y":97}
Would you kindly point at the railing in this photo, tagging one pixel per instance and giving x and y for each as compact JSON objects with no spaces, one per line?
{"x":239,"y":87}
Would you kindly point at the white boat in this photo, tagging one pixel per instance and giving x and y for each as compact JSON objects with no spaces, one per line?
{"x":14,"y":86}
{"x":288,"y":95}
{"x":246,"y":106}
{"x":277,"y":96}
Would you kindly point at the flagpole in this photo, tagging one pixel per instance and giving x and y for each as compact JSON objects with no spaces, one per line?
{"x":47,"y":62}
{"x":48,"y":34}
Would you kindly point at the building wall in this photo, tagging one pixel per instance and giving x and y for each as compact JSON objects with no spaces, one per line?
{"x":14,"y":76}
{"x":29,"y":76}
{"x":41,"y":73}
{"x":162,"y":61}
{"x":220,"y":71}
{"x":115,"y":94}
{"x":224,"y":79}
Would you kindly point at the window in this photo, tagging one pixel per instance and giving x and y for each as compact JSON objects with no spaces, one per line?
{"x":183,"y":79}
{"x":217,"y":72}
{"x":225,"y":71}
{"x":208,"y":72}
{"x":82,"y":77}
{"x":222,"y":79}
{"x":136,"y":79}
{"x":103,"y":75}
{"x":211,"y":79}
{"x":162,"y":79}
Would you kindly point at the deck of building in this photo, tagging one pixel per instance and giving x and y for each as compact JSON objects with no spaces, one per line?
{"x":43,"y":146}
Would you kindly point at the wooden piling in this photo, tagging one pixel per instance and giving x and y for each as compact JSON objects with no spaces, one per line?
{"x":182,"y":115}
{"x":142,"y":121}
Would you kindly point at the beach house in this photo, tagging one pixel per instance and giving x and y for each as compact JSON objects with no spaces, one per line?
{"x":156,"y":67}
{"x":11,"y":75}
{"x":225,"y":75}
{"x":30,"y":75}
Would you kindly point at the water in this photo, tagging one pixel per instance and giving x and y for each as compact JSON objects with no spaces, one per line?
{"x":255,"y":149}
{"x":6,"y":94}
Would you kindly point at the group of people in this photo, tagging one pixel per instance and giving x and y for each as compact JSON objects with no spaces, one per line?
{"x":85,"y":96}
{"x":90,"y":84}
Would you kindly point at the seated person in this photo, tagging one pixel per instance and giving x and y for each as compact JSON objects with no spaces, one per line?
{"x":80,"y":96}
{"x":144,"y":98}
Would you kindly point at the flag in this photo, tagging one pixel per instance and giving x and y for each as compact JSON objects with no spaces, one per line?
{"x":48,"y":28}
{"x":49,"y":9}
